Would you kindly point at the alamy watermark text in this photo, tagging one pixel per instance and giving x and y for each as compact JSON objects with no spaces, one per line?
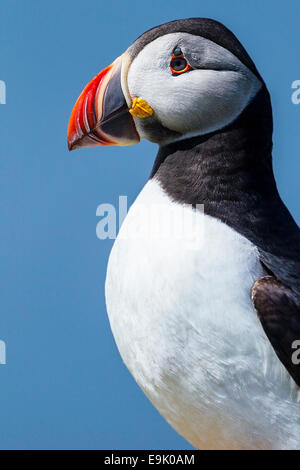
{"x":2,"y":92}
{"x":2,"y":352}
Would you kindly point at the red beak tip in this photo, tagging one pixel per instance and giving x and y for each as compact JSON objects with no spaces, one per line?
{"x":73,"y":144}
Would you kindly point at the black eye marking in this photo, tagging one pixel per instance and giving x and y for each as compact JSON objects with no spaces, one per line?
{"x":177,"y":51}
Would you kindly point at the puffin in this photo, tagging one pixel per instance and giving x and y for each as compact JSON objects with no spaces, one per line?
{"x":203,"y":280}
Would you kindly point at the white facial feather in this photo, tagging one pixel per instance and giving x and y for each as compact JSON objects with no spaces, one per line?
{"x":196,"y":102}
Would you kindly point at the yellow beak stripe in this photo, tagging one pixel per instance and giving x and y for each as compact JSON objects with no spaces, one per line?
{"x":140,"y":108}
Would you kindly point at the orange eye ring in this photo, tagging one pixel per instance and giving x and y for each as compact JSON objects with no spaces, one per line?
{"x":185,"y":69}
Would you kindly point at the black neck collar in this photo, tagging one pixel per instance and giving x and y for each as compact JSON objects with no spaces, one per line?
{"x":230,"y":172}
{"x":226,"y":165}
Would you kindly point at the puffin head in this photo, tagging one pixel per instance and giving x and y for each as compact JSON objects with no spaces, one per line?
{"x":181,"y":79}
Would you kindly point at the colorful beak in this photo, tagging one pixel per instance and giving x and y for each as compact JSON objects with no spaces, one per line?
{"x":101,"y":115}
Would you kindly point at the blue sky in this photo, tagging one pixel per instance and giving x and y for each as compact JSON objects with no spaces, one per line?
{"x":64,"y":384}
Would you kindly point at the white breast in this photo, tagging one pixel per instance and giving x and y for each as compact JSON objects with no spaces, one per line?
{"x":181,"y":313}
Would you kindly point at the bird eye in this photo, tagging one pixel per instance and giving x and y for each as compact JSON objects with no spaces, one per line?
{"x":179,"y":65}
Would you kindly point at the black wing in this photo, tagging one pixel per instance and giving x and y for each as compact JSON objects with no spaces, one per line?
{"x":278,"y":309}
